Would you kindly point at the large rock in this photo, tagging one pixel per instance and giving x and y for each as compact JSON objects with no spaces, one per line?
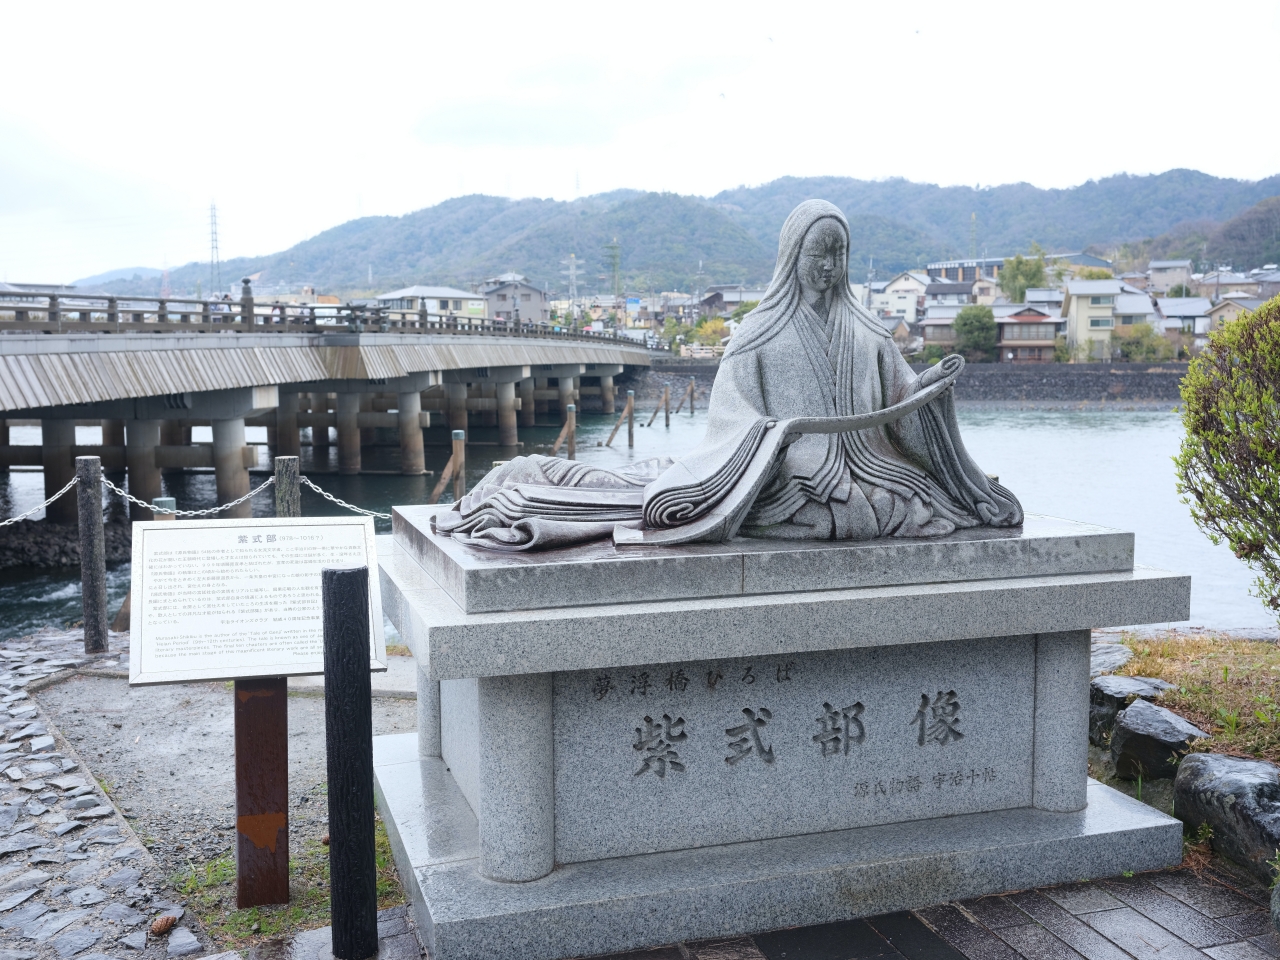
{"x":1148,"y":741}
{"x":1240,"y":800}
{"x":1109,"y":695}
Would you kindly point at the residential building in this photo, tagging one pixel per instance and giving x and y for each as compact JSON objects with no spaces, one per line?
{"x":1268,"y":280}
{"x":1045,"y":297}
{"x":1026,"y":334}
{"x":720,"y":300}
{"x":990,"y":267}
{"x":1167,"y":274}
{"x":1089,"y":308}
{"x":444,"y":300}
{"x":1134,"y":308}
{"x":902,"y":298}
{"x":1135,"y":279}
{"x":986,"y":291}
{"x":1224,"y":283}
{"x":1229,"y":308}
{"x":1184,"y":314}
{"x":512,"y":297}
{"x":939,"y":293}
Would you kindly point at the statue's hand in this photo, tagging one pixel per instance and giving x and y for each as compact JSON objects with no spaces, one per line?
{"x":943,"y":368}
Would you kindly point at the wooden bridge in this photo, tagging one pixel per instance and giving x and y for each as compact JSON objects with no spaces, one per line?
{"x":150,"y":370}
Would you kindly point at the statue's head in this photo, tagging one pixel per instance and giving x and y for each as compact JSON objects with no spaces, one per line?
{"x":822,"y":256}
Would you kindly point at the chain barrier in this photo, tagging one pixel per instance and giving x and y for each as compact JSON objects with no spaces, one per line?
{"x":23,"y":516}
{"x":196,"y":513}
{"x":186,"y":513}
{"x":342,"y":503}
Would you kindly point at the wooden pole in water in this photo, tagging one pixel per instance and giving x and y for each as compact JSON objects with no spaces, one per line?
{"x":693,"y":394}
{"x":683,"y":397}
{"x":443,"y":482}
{"x":631,"y":418}
{"x":571,"y":425}
{"x":658,"y":409}
{"x":348,"y":727}
{"x":622,"y":416}
{"x":460,"y":463}
{"x":93,"y":554}
{"x":666,"y":402}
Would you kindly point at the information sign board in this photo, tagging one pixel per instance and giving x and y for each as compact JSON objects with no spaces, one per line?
{"x":233,"y":599}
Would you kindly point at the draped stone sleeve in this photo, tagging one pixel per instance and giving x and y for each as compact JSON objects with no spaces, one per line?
{"x":930,"y":438}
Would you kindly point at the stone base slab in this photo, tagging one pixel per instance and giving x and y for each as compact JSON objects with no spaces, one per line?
{"x":629,"y":903}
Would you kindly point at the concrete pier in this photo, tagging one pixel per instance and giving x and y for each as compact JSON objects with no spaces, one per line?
{"x":320,"y":435}
{"x":412,"y":458}
{"x":505,"y":394}
{"x":171,"y":436}
{"x":456,"y":396}
{"x":606,"y":394}
{"x":287,"y":443}
{"x":112,"y":435}
{"x":141,"y":439}
{"x":567,"y":387}
{"x":366,"y":406}
{"x":57,"y":438}
{"x":231,"y":479}
{"x":528,"y":407}
{"x":349,"y":433}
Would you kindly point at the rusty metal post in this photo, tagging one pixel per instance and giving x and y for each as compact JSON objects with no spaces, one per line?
{"x":93,"y":556}
{"x":262,"y":791}
{"x":348,"y":730}
{"x":459,"y":463}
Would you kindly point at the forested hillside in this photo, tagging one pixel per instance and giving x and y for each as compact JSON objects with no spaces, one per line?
{"x":663,"y":238}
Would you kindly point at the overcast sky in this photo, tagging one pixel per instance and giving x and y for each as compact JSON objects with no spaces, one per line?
{"x":123,"y":121}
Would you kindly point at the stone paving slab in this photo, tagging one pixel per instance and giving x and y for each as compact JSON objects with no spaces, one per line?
{"x":1171,"y":915}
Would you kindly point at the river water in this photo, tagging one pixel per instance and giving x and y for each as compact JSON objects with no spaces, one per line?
{"x":1101,"y":466}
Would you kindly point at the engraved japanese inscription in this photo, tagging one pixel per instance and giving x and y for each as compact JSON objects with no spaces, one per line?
{"x":748,"y":749}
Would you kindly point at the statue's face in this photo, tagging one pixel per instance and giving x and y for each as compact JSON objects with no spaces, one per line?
{"x":822,"y":256}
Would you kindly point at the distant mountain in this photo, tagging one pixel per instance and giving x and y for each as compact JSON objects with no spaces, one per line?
{"x":127,"y":273}
{"x":1249,"y":239}
{"x":663,"y":238}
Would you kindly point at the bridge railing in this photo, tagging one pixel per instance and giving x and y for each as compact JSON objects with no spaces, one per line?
{"x":47,"y":313}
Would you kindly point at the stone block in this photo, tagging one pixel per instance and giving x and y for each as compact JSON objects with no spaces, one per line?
{"x":1240,"y":800}
{"x":1109,"y":695}
{"x":611,"y":904}
{"x":1149,"y":741}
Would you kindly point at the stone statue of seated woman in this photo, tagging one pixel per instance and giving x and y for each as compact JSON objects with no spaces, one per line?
{"x":818,"y":429}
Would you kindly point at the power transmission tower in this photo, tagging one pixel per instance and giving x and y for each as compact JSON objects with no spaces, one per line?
{"x":572,"y":273}
{"x":215,"y":268}
{"x":615,"y":261}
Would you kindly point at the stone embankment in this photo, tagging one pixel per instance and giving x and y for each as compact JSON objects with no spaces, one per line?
{"x":45,"y":546}
{"x":1067,"y":385}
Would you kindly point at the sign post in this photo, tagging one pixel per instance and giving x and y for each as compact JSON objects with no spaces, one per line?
{"x":236,"y":599}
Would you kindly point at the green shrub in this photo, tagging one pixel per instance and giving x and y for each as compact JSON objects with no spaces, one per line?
{"x":1229,"y":464}
{"x":975,"y":328}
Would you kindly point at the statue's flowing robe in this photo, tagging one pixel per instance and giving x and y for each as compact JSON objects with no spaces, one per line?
{"x":909,"y":478}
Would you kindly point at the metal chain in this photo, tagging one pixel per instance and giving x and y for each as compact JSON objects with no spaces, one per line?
{"x":187,"y":513}
{"x":342,"y":503}
{"x":23,"y":516}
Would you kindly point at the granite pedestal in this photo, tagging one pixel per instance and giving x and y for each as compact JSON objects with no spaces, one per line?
{"x":624,"y":747}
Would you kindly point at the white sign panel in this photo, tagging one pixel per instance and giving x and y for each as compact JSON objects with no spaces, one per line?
{"x":229,"y":599}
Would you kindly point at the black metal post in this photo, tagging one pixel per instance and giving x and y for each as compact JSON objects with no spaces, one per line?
{"x":348,"y":728}
{"x":288,"y":488}
{"x":93,"y":554}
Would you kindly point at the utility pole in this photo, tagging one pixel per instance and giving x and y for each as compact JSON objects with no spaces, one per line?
{"x":215,"y":268}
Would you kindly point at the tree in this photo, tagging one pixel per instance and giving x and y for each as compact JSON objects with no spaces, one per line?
{"x":1061,"y":352}
{"x":1229,"y":465}
{"x":1019,"y":273}
{"x":710,"y":332}
{"x":975,"y":328}
{"x":743,"y":309}
{"x":1179,"y":290}
{"x":1143,"y":345}
{"x":1094,"y":273}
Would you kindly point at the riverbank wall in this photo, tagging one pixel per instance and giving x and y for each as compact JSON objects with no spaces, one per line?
{"x":40,"y":545}
{"x":1040,"y":385}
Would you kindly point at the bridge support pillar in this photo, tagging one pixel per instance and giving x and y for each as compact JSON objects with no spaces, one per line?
{"x":412,"y":459}
{"x":141,"y":439}
{"x":57,"y":437}
{"x":457,"y":402}
{"x":541,"y":383}
{"x":505,"y":395}
{"x":112,"y":434}
{"x":567,"y":387}
{"x":349,"y":433}
{"x":231,"y":479}
{"x":528,"y":407}
{"x":170,"y":436}
{"x":489,"y":418}
{"x":4,"y":441}
{"x":606,"y":393}
{"x":287,"y":426}
{"x":320,"y":435}
{"x":366,"y":433}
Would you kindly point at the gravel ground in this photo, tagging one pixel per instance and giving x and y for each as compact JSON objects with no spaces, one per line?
{"x":167,"y":755}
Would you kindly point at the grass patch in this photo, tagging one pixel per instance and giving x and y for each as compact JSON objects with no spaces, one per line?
{"x":210,"y":892}
{"x":1227,"y":687}
{"x":398,"y":650}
